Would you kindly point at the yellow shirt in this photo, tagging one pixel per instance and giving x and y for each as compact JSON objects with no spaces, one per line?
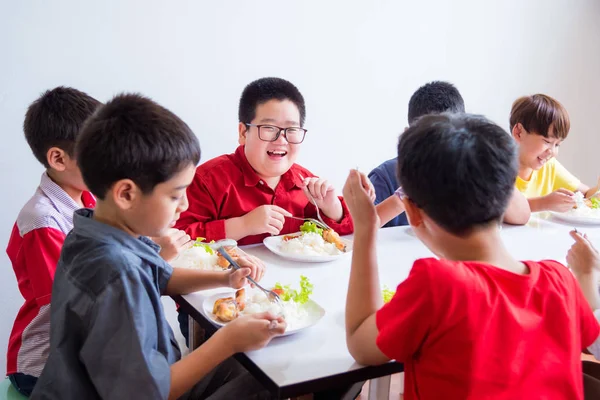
{"x":552,"y":176}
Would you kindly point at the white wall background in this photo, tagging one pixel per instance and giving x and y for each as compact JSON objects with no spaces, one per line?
{"x":357,"y":64}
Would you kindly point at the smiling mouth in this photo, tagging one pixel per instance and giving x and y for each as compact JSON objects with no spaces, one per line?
{"x":277,"y":153}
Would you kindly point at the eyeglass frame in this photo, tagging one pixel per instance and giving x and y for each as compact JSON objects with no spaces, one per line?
{"x":279,"y":132}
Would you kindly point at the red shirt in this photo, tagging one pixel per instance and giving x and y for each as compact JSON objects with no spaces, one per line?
{"x":467,"y":330}
{"x":227,"y":187}
{"x":34,"y":248}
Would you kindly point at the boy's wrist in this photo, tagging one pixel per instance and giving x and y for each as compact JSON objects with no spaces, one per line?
{"x":226,"y":278}
{"x":235,"y":228}
{"x":335,"y":211}
{"x":363,"y":233}
{"x":593,"y":273}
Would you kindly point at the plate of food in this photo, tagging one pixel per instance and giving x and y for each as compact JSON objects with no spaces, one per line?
{"x":311,"y":244}
{"x":203,"y":256}
{"x":586,"y":211}
{"x":298,"y":310}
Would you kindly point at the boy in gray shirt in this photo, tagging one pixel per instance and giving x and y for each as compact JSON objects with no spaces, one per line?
{"x":109,"y":336}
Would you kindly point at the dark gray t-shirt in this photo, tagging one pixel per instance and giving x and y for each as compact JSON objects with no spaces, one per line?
{"x":109,"y":337}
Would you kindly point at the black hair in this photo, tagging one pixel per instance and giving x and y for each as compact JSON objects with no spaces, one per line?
{"x":55,"y":120}
{"x":265,"y":89}
{"x":132,"y":137}
{"x":434,"y":98}
{"x":460,"y":169}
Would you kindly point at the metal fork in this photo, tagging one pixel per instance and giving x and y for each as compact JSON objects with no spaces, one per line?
{"x":312,"y":199}
{"x":271,"y":295}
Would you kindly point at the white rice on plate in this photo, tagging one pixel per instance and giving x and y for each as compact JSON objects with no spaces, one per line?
{"x":197,"y":257}
{"x":582,"y":210}
{"x":309,"y":244}
{"x":296,"y":315}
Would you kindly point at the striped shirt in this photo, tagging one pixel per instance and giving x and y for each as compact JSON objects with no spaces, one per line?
{"x":33,"y":248}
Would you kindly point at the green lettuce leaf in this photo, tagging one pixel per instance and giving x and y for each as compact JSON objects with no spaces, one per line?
{"x":300,"y":297}
{"x":311,"y":227}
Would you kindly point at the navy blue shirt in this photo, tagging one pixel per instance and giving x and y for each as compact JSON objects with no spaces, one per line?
{"x":385,"y":182}
{"x":109,"y":338}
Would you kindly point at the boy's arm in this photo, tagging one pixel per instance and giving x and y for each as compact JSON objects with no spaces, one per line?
{"x":363,"y":301}
{"x":584,"y":261}
{"x":390,"y":208}
{"x":243,"y":334}
{"x":364,"y":294}
{"x":518,"y":210}
{"x":375,"y":335}
{"x":560,"y":200}
{"x":188,"y":371}
{"x":589,"y":286}
{"x":188,"y":280}
{"x":41,"y":251}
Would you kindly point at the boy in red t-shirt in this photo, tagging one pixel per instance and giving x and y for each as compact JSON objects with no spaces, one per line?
{"x":474,"y":323}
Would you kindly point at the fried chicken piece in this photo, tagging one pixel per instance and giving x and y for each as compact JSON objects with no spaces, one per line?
{"x":331,"y":236}
{"x":219,"y":301}
{"x":240,"y":299}
{"x":226,"y":309}
{"x":223,"y":263}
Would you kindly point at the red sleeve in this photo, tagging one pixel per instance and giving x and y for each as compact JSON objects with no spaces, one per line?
{"x":41,"y":250}
{"x":344,"y":227}
{"x":200,"y":219}
{"x":404,"y":322}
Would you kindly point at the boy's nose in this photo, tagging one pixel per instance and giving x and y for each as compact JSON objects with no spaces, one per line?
{"x":281,"y":139}
{"x":183,"y":204}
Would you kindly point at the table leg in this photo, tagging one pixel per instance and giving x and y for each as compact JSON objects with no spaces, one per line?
{"x":195,"y":333}
{"x":379,"y":389}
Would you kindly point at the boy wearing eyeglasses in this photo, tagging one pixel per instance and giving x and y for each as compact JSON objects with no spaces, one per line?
{"x":250,"y":194}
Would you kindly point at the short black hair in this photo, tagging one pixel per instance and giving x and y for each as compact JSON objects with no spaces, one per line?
{"x":460,"y":169}
{"x":434,"y":98}
{"x":265,"y":89}
{"x":132,"y":137}
{"x":55,"y":120}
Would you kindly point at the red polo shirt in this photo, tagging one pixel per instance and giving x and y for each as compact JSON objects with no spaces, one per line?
{"x":227,"y":187}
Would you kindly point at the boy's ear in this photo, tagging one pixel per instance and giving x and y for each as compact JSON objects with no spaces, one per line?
{"x":413,"y":213}
{"x":57,"y":158}
{"x":517,"y":131}
{"x":242,"y":131}
{"x":125,"y":193}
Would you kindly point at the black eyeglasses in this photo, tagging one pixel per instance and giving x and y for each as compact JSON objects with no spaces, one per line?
{"x":270,"y":133}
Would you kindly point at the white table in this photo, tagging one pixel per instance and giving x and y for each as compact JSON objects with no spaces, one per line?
{"x":317,"y":358}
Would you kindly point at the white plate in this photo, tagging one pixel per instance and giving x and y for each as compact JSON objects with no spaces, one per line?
{"x":574,"y":219}
{"x":315,"y":311}
{"x":273,"y":242}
